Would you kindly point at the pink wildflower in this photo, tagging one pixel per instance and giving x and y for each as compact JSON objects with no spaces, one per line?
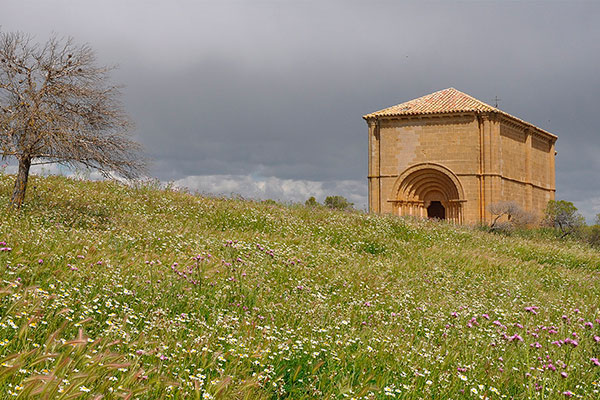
{"x":516,"y":337}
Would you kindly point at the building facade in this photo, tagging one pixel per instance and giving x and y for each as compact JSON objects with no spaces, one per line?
{"x":448,"y":155}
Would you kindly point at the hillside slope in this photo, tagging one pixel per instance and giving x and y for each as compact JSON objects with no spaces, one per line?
{"x":112,"y":290}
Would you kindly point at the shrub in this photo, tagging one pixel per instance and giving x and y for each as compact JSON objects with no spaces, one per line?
{"x":589,"y":235}
{"x":338,"y":203}
{"x":563,"y":215}
{"x":311,"y":202}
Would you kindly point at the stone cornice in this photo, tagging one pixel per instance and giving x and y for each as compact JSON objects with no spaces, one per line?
{"x":527,"y":128}
{"x":493,"y":116}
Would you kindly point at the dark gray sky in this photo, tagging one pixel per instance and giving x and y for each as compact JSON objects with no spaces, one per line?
{"x":265,"y":98}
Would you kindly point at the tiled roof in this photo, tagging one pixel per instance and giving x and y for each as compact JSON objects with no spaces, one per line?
{"x":445,"y":101}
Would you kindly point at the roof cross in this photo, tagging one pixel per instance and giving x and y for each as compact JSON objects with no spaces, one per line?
{"x":496,"y":100}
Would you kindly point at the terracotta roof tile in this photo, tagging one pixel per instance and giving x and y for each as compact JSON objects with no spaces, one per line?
{"x":445,"y":101}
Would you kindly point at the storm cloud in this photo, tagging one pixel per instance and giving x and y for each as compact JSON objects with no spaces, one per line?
{"x":269,"y":95}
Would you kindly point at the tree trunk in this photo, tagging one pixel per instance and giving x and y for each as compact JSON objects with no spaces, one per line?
{"x":18,"y":195}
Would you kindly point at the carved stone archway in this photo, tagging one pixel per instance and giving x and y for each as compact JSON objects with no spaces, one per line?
{"x":421,"y":184}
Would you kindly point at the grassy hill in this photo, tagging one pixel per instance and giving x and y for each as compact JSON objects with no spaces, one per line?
{"x":147,"y":293}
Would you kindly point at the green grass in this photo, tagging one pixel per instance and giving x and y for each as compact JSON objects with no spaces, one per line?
{"x":136,"y":291}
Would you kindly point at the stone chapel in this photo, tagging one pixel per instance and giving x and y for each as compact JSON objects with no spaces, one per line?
{"x":448,"y":155}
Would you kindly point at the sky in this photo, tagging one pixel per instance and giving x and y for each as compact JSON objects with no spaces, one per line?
{"x":264,"y":99}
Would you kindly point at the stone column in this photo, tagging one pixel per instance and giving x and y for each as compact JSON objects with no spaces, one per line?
{"x":378,"y":165}
{"x":486,"y":166}
{"x":494,"y":169}
{"x":552,"y":170}
{"x":374,"y":175}
{"x":454,"y":210}
{"x":528,"y":168}
{"x":482,"y":122}
{"x":370,"y":167}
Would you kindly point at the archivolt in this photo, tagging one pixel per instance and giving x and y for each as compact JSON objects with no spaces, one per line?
{"x":422,"y":181}
{"x":421,"y":184}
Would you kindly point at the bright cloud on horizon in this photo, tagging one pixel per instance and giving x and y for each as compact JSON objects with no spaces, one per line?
{"x":283,"y":190}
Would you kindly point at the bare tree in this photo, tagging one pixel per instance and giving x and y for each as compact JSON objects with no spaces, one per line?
{"x":515,"y":216}
{"x":57,"y":106}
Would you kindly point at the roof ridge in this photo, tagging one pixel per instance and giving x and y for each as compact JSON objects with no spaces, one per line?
{"x":479,"y":101}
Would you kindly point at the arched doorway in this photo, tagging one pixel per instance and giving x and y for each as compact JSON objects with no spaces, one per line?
{"x":429,"y":191}
{"x":436,"y":210}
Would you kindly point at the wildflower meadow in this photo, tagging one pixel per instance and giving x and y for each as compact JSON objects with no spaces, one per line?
{"x":141,"y":292}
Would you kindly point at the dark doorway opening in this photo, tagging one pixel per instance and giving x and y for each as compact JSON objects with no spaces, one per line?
{"x":436,"y":210}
